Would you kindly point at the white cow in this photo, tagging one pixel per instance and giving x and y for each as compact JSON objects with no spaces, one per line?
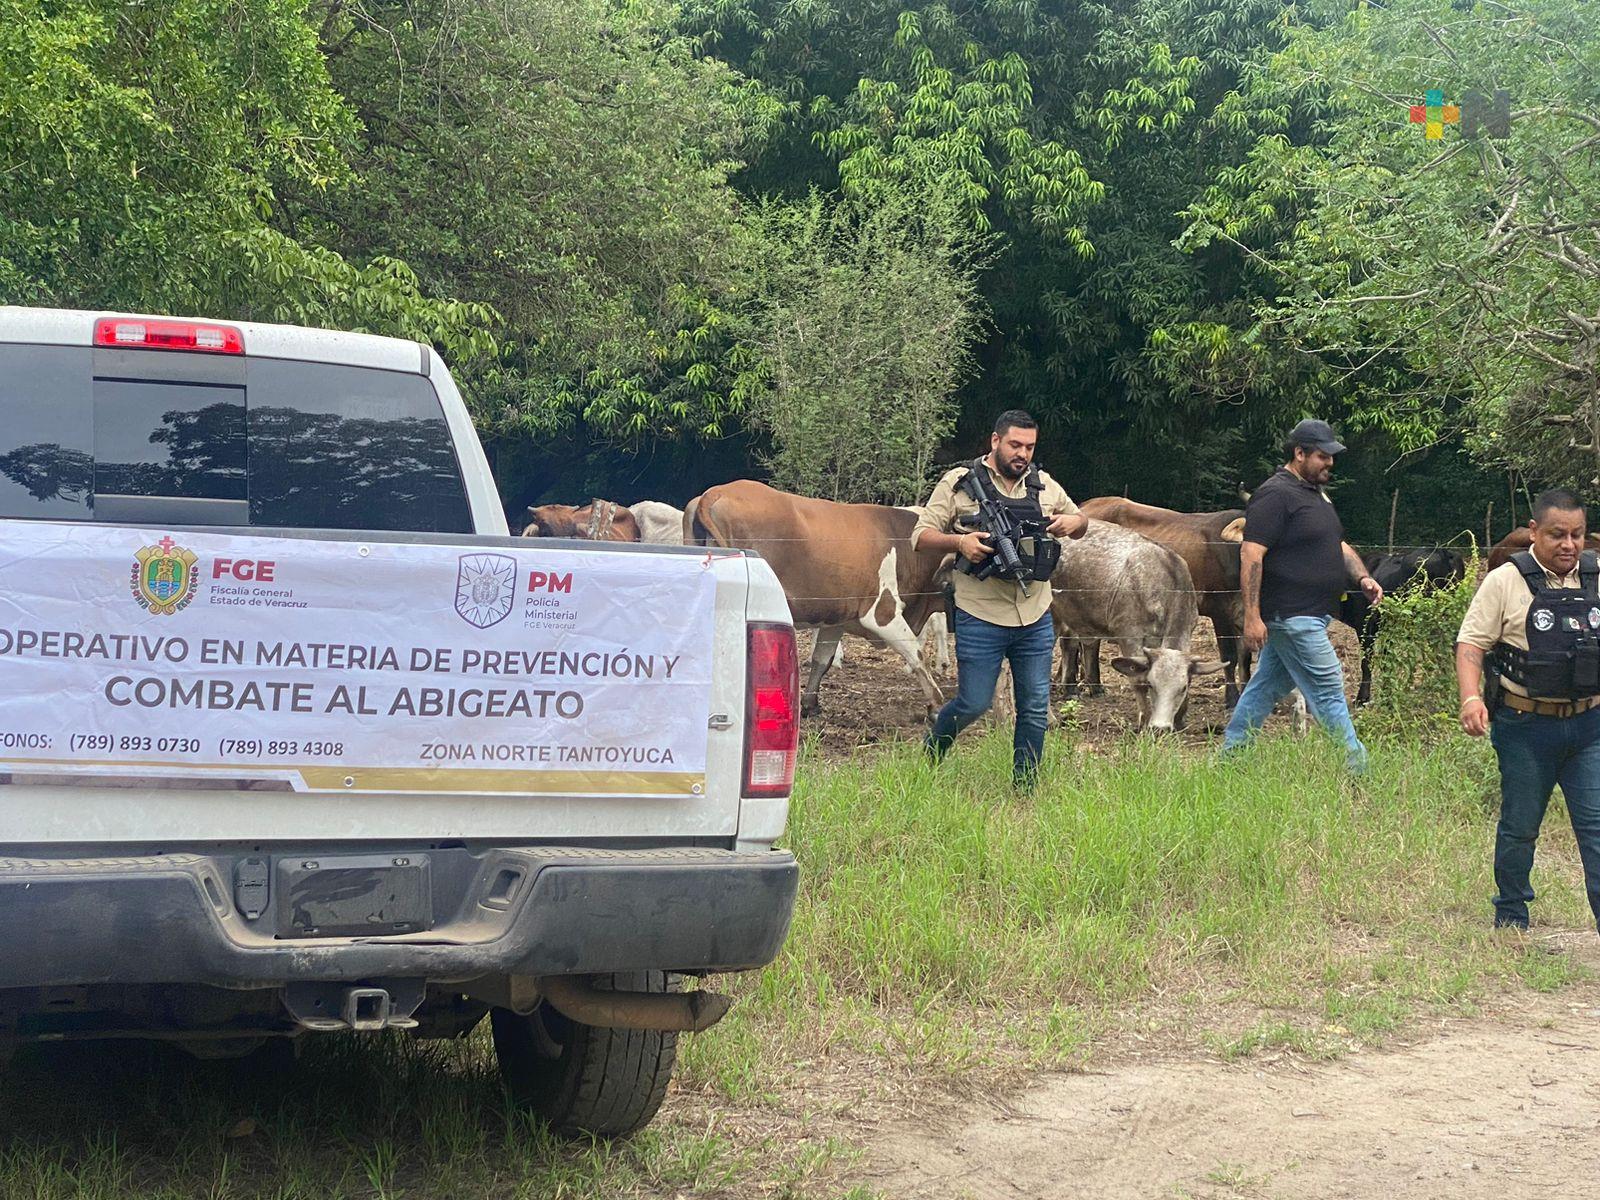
{"x":659,"y":523}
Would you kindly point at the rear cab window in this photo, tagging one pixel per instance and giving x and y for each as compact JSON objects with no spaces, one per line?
{"x":138,"y":436}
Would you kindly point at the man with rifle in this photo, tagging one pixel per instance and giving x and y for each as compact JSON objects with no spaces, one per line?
{"x":1001,"y":516}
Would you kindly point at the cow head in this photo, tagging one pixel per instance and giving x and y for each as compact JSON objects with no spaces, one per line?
{"x":597,"y":521}
{"x":1443,"y":567}
{"x":1161,"y":678}
{"x":551,"y":520}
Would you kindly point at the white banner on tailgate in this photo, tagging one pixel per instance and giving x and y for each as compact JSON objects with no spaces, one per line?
{"x":353,"y":666}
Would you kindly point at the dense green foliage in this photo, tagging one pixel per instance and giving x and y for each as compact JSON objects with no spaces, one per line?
{"x":865,"y":315}
{"x":1450,"y":285}
{"x":665,"y":246}
{"x":1413,"y":668}
{"x":145,"y":153}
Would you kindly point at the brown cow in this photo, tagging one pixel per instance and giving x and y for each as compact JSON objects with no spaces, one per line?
{"x":1213,"y":563}
{"x":597,"y":521}
{"x":1521,"y":539}
{"x":844,"y":568}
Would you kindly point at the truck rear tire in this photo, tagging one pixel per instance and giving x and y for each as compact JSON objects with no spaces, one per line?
{"x":583,"y":1079}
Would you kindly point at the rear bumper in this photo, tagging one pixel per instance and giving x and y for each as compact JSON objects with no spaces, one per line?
{"x":172,"y":919}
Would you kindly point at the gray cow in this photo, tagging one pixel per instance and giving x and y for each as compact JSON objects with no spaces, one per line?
{"x":1119,"y":585}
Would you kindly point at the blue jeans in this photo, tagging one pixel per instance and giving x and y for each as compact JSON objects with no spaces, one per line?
{"x":1298,"y":654}
{"x":1535,"y":754}
{"x":980,"y":649}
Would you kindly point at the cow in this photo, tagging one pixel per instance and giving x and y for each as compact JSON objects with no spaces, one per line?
{"x":843,"y":567}
{"x":1520,"y":539}
{"x":1116,"y":584}
{"x":659,"y":524}
{"x":1396,"y":574}
{"x":1213,"y":562}
{"x":597,"y":521}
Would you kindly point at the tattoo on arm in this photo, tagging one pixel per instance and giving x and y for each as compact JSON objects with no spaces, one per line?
{"x":1353,"y":563}
{"x":1252,"y":586}
{"x":1469,"y":670}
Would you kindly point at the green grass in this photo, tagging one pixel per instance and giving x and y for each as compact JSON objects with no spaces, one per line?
{"x":945,"y":925}
{"x":372,"y":1118}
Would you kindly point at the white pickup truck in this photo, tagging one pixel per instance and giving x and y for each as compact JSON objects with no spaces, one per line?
{"x":295,"y":737}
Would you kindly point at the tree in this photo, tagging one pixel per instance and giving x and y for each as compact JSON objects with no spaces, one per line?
{"x":1076,"y":133}
{"x":146,"y":149}
{"x":862,"y":331}
{"x":565,"y":162}
{"x":1450,"y":284}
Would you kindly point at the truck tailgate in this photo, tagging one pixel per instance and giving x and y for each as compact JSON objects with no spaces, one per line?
{"x":167,"y":683}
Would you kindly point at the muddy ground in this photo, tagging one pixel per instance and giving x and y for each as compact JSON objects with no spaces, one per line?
{"x":871,"y":699}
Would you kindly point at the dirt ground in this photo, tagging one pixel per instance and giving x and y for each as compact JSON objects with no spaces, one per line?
{"x":1502,"y":1105}
{"x":872,"y":699}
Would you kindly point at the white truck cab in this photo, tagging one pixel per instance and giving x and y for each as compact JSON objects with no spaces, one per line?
{"x":294,"y":737}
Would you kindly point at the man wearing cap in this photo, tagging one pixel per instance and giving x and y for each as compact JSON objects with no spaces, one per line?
{"x":1294,"y":565}
{"x":994,"y":621}
{"x":1533,"y":633}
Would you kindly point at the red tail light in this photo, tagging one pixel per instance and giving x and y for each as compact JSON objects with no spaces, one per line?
{"x":130,"y":333}
{"x":772,"y":712}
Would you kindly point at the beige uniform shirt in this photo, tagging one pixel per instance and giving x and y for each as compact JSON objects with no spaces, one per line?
{"x":998,"y":601}
{"x":1499,"y":611}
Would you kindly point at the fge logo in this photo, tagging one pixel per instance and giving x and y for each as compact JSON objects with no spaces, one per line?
{"x":1475,"y":114}
{"x":245,"y":570}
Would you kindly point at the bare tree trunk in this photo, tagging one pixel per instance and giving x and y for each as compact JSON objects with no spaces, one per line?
{"x":1594,"y":429}
{"x":1394,"y":504}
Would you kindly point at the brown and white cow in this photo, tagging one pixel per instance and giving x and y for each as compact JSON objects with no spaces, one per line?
{"x":844,"y":568}
{"x":1119,"y":585}
{"x":597,"y":521}
{"x":1213,"y":563}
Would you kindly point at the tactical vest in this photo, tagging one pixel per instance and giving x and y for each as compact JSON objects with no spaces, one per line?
{"x":1038,"y":551}
{"x":1562,"y":660}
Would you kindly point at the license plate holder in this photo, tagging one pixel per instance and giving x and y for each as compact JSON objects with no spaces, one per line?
{"x":354,"y":895}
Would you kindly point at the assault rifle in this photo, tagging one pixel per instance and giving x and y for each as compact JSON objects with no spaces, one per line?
{"x":1023,"y":547}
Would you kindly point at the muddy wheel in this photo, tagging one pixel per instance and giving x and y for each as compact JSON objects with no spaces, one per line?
{"x":583,"y":1079}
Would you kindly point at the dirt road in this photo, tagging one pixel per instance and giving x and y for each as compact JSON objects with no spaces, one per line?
{"x":1499,"y":1106}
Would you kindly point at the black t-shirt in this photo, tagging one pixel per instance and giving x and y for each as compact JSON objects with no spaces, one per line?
{"x":1303,"y":574}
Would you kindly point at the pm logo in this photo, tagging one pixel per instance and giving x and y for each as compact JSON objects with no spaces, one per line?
{"x":163,"y":577}
{"x":486,"y":584}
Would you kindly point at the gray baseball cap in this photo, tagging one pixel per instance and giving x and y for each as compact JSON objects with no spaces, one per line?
{"x":1316,"y":434}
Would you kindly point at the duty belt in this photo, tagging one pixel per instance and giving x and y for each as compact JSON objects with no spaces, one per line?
{"x":1548,"y":708}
